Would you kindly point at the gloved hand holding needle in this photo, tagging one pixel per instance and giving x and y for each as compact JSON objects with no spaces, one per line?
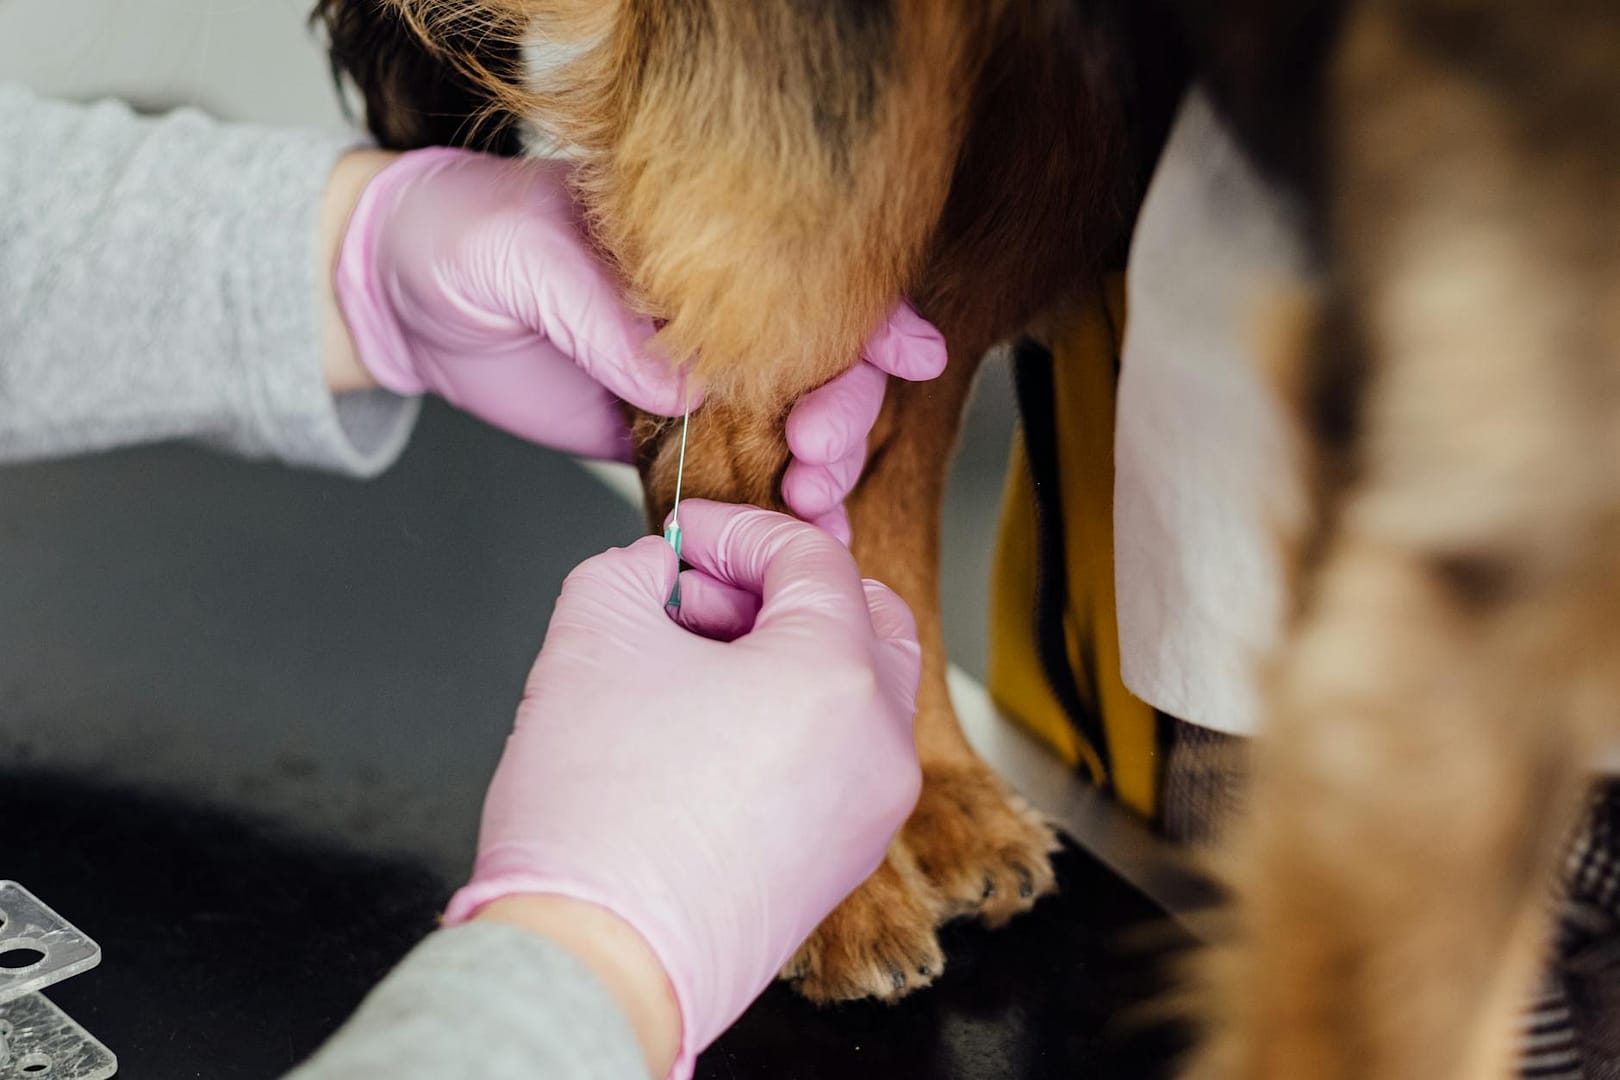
{"x":674,"y":770}
{"x":684,"y":796}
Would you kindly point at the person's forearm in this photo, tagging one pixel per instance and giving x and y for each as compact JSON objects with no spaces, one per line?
{"x":161,"y":281}
{"x":343,"y":369}
{"x":486,"y":1000}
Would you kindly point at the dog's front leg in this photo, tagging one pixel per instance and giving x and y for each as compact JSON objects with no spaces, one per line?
{"x":970,"y":847}
{"x":881,"y":941}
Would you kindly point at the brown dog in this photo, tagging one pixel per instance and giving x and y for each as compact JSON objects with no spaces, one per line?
{"x":770,"y":175}
{"x":769,"y":179}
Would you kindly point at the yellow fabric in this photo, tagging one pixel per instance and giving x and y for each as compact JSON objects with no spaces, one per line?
{"x":1085,"y":362}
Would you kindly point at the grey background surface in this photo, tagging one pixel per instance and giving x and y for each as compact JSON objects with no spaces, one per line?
{"x":342,"y":656}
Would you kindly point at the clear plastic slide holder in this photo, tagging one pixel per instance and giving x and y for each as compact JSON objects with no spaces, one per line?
{"x":38,"y":948}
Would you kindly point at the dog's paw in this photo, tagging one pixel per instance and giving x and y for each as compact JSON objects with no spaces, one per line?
{"x":879,"y":943}
{"x":986,"y":851}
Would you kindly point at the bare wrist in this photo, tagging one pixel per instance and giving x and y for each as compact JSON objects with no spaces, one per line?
{"x":616,"y":954}
{"x":348,"y":179}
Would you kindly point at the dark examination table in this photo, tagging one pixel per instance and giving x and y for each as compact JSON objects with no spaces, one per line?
{"x":246,"y":717}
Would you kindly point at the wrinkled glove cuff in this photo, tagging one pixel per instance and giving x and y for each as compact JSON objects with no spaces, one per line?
{"x":368,"y":310}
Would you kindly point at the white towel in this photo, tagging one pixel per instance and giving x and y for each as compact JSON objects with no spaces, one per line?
{"x":1203,"y":470}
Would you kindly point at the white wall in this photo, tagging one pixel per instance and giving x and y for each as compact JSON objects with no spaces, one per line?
{"x":240,"y":59}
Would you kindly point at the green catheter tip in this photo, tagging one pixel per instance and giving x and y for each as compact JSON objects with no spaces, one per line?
{"x":672,"y":532}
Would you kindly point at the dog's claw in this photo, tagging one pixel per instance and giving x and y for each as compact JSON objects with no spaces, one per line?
{"x":897,"y":977}
{"x":1026,"y":882}
{"x":989,"y":887}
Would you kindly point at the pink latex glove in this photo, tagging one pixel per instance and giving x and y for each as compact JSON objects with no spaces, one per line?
{"x":827,"y":428}
{"x":468,"y":277}
{"x":719,"y":779}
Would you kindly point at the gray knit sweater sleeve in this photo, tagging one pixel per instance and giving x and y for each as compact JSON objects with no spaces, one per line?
{"x":158,"y":281}
{"x":492,"y":1002}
